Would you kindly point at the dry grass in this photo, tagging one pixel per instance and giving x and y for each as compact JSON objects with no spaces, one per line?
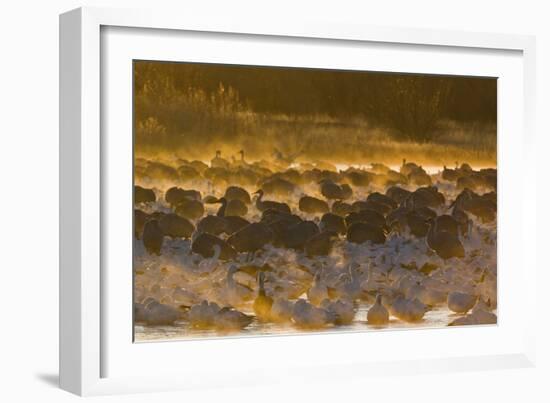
{"x":193,"y":125}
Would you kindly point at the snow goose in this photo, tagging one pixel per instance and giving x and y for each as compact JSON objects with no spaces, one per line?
{"x":263,"y":303}
{"x":408,"y":310}
{"x":202,"y":316}
{"x":230,"y":319}
{"x":343,"y":311}
{"x":155,"y":313}
{"x":306,"y":315}
{"x":460,"y":302}
{"x":318,"y":291}
{"x":281,"y":310}
{"x":234,"y":293}
{"x":481,"y":315}
{"x":378,"y":314}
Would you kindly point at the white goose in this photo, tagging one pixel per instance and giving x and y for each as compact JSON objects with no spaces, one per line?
{"x":281,"y":310}
{"x":408,"y":310}
{"x":481,"y":315}
{"x":460,"y":302}
{"x":203,"y":315}
{"x":306,"y":315}
{"x":234,"y":293}
{"x":343,"y":311}
{"x":378,"y":314}
{"x":154,"y":313}
{"x":228,"y":319}
{"x":318,"y":291}
{"x":426,"y":295}
{"x":348,"y":285}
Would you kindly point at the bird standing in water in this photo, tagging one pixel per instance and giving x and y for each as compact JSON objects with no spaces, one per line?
{"x":378,"y":314}
{"x":262,"y":303}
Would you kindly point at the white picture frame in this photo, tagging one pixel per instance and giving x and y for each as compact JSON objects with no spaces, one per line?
{"x":91,"y":345}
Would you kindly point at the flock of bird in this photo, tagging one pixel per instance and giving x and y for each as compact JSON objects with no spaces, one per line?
{"x":225,"y":244}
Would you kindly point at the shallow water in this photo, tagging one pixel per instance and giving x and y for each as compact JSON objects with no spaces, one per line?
{"x":436,"y":318}
{"x":202,"y":279}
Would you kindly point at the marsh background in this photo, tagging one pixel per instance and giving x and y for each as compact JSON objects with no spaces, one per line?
{"x":190,"y":110}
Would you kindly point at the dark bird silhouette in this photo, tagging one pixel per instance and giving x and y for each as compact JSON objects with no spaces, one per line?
{"x":408,"y":167}
{"x":234,"y":224}
{"x":419,"y":177}
{"x":190,"y":209}
{"x":382,"y":199}
{"x":471,"y":202}
{"x":176,"y":195}
{"x":450,"y":175}
{"x":175,"y":226}
{"x":464,"y":222}
{"x":278,"y":186}
{"x":279,"y":223}
{"x":333,"y":191}
{"x":366,"y":216}
{"x":206,"y":245}
{"x":144,"y":195}
{"x":447,"y":223}
{"x":341,"y":208}
{"x":445,"y":244}
{"x":233,"y":207}
{"x":212,"y":224}
{"x":153,"y":237}
{"x":427,"y":196}
{"x":140,"y":218}
{"x":359,"y":178}
{"x":397,"y":194}
{"x":395,"y":178}
{"x":296,"y":235}
{"x":361,"y":232}
{"x":263,"y":205}
{"x":251,"y":238}
{"x":382,"y":208}
{"x":320,"y":244}
{"x":332,"y":223}
{"x":417,"y":224}
{"x":312,"y":205}
{"x":237,"y":193}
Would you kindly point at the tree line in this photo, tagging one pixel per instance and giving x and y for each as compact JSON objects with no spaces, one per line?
{"x":411,"y":105}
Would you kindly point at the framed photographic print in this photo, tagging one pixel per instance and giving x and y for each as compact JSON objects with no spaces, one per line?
{"x":250,"y":194}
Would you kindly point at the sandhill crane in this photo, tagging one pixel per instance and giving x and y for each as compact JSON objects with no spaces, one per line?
{"x":445,"y":244}
{"x":233,"y":207}
{"x":237,"y":193}
{"x":153,"y":237}
{"x":218,"y":161}
{"x":361,"y":232}
{"x":175,"y":226}
{"x":312,"y":205}
{"x":251,"y":238}
{"x":144,"y":195}
{"x":263,"y":205}
{"x":204,"y":244}
{"x":332,"y":223}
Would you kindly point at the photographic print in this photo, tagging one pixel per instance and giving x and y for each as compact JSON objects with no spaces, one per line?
{"x":278,"y":200}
